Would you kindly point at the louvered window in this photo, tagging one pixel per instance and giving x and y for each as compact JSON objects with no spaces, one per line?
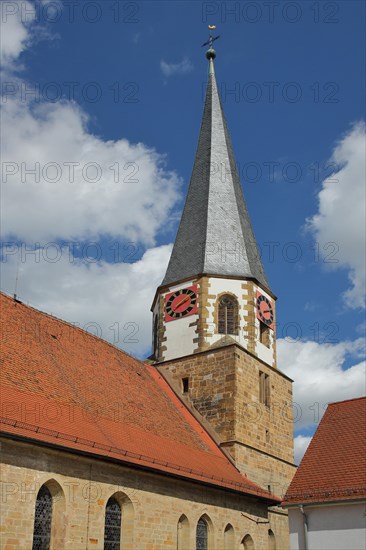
{"x":264,"y":388}
{"x":112,"y":529}
{"x":264,"y":334}
{"x":42,"y":520}
{"x":202,"y":535}
{"x":228,"y":315}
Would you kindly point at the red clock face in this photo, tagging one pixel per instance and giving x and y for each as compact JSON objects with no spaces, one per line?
{"x":265,"y":312}
{"x":181,"y":303}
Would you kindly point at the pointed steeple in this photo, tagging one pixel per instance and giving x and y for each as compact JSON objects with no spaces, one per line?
{"x":215,"y":236}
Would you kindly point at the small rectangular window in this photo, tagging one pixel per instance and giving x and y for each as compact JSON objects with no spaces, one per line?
{"x":264,"y":334}
{"x":185,"y":385}
{"x":264,"y":388}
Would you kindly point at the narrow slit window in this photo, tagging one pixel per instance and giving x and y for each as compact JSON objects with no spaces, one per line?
{"x":156,"y":337}
{"x":185,"y":385}
{"x":264,"y":388}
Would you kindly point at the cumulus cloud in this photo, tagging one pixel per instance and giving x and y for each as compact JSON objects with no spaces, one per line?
{"x":183,"y":67}
{"x":341,"y":212}
{"x":111,"y":300}
{"x":60,"y":181}
{"x":320,"y":376}
{"x":15,"y":26}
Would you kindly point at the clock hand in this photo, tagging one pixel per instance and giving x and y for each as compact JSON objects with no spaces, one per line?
{"x":181,"y":302}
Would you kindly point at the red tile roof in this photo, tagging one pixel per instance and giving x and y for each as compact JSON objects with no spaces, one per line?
{"x":334,"y":465}
{"x":63,"y":386}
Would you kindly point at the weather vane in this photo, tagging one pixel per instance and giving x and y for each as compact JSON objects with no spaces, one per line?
{"x":211,"y":38}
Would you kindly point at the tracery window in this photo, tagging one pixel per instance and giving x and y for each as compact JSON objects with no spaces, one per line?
{"x":112,"y":529}
{"x":228,"y":315}
{"x":202,"y":535}
{"x":42,"y":520}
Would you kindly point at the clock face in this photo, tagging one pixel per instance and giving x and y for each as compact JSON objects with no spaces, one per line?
{"x":265,"y":311}
{"x":181,"y":303}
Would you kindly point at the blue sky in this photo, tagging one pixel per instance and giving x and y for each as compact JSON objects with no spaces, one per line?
{"x":292,"y":80}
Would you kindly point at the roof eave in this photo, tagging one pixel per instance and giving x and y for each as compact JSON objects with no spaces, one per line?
{"x":295,"y":504}
{"x":16,"y":437}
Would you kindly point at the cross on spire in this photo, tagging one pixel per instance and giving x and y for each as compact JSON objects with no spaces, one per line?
{"x":210,"y":54}
{"x":215,"y":236}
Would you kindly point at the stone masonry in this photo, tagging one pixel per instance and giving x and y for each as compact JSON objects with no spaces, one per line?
{"x":152,"y":505}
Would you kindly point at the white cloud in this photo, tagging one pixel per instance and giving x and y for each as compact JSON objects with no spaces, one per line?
{"x":319,"y":375}
{"x":133,"y":208}
{"x":168,"y":69}
{"x":301,"y":443}
{"x":341,"y":213}
{"x":132,"y":197}
{"x":15,"y":27}
{"x":83,"y":186}
{"x":101,"y":297}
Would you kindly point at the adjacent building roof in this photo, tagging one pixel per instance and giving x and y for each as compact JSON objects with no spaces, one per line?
{"x":64,"y":387}
{"x":334,"y":465}
{"x":215,"y":235}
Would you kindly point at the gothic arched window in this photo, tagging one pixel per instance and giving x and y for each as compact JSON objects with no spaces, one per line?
{"x":183,"y":533}
{"x":112,"y":529}
{"x":42,"y":520}
{"x":271,"y":540}
{"x":229,"y":537}
{"x":202,"y":535}
{"x":247,"y":543}
{"x":228,"y":315}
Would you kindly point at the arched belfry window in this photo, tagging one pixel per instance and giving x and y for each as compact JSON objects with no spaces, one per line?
{"x":42,"y":520}
{"x":112,"y":528}
{"x":202,"y":535}
{"x":228,"y":315}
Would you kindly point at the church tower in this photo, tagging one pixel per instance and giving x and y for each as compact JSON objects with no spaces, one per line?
{"x":214,"y":315}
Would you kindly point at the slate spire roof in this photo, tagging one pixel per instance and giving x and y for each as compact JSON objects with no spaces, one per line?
{"x":215,"y":235}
